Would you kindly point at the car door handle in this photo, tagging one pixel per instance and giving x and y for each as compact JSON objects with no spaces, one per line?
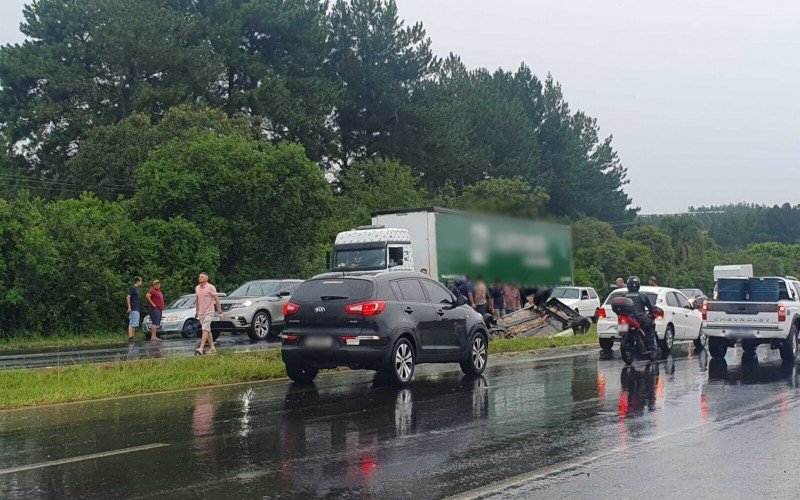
{"x":440,"y":312}
{"x":409,"y":310}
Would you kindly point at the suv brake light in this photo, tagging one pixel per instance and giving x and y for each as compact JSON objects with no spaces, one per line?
{"x":370,"y":308}
{"x":601,"y":313}
{"x":781,"y":313}
{"x":290,"y":308}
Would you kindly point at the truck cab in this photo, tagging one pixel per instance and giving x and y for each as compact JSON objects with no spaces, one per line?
{"x":373,"y":248}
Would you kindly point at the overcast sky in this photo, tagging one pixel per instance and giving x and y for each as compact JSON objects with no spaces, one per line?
{"x":701,"y":97}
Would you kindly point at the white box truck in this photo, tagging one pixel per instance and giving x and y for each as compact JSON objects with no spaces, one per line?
{"x":451,"y":243}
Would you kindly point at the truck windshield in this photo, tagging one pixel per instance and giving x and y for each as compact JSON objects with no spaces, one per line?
{"x":360,"y":258}
{"x":565,"y":293}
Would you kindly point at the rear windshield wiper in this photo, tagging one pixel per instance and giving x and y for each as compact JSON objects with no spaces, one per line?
{"x":326,"y":298}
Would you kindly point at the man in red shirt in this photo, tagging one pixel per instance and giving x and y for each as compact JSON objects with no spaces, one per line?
{"x":155,"y":302}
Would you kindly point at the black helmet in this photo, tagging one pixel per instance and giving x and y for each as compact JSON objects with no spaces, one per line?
{"x":633,"y":284}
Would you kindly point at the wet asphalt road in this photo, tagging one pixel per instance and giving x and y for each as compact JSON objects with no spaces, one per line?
{"x":140,"y":349}
{"x":562,"y":424}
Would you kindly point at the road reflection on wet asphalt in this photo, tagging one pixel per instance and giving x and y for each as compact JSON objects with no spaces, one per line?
{"x":349,"y":436}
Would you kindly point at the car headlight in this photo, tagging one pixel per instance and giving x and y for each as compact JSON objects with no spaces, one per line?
{"x":246,"y":303}
{"x":172,"y":317}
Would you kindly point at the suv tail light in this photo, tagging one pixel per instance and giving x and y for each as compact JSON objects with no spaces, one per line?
{"x":290,"y":308}
{"x":601,"y":313}
{"x":371,"y":308}
{"x":704,"y":310}
{"x":781,"y":313}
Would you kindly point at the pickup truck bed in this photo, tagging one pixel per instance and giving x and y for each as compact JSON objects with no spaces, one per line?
{"x":754,"y":322}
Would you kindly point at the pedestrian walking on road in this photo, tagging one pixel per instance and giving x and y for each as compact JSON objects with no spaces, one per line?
{"x":132,"y":300}
{"x":207,"y":301}
{"x":512,"y":298}
{"x":155,"y":301}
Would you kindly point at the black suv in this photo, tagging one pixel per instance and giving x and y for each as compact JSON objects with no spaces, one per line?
{"x":387,"y":321}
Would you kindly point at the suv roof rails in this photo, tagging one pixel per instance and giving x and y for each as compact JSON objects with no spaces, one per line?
{"x":372,"y":226}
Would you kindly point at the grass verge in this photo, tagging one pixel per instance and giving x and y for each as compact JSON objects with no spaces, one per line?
{"x":20,"y":388}
{"x":522,"y":344}
{"x":83,"y":382}
{"x":39,"y":341}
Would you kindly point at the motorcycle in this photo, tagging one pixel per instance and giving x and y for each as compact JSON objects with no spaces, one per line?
{"x":634,"y":338}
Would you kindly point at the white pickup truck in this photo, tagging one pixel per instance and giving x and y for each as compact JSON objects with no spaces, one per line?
{"x":753,"y":311}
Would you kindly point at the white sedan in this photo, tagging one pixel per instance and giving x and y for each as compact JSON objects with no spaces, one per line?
{"x":583,"y":300}
{"x":681,"y":320}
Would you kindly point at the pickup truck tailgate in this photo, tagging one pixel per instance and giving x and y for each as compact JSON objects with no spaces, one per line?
{"x":763,"y":315}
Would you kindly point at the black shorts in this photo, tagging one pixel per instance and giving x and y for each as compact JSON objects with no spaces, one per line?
{"x":155,"y":317}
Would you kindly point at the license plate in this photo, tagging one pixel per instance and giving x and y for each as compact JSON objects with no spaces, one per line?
{"x":623,"y":328}
{"x":319,"y":342}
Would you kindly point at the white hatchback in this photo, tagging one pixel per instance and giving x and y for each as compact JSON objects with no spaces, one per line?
{"x":583,"y":300}
{"x":681,"y":320}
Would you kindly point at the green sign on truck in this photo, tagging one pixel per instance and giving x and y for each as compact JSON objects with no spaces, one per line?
{"x":450,"y":243}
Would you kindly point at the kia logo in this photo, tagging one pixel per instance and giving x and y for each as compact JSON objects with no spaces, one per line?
{"x":319,"y":310}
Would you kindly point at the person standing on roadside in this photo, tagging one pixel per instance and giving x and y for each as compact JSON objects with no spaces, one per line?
{"x":481,"y":296}
{"x":424,"y":271}
{"x":620,"y":283}
{"x":465,"y":289}
{"x":132,"y":300}
{"x":155,"y":301}
{"x":497,"y":301}
{"x":652,"y":281}
{"x":207,"y":301}
{"x":512,"y":298}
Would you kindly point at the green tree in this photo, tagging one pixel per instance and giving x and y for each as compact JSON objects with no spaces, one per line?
{"x":93,"y":62}
{"x":276,"y":57}
{"x":108,"y":159}
{"x":380,"y":63}
{"x":372,"y":186}
{"x":265,"y":206}
{"x":512,"y":197}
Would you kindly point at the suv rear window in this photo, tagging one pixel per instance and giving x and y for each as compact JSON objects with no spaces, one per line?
{"x":323,"y":290}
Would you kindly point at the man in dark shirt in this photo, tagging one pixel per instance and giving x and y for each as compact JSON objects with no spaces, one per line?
{"x":466,"y":289}
{"x":132,"y":299}
{"x":498,"y":299}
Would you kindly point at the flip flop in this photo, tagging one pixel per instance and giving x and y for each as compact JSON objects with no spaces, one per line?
{"x":198,"y":352}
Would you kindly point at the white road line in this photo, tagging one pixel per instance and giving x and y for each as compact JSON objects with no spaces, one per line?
{"x":82,"y":458}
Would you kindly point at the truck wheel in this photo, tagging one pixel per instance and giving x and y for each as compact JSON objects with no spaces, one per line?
{"x":300,"y":373}
{"x":717,"y":347}
{"x":606,"y":344}
{"x":789,"y":346}
{"x":669,"y":340}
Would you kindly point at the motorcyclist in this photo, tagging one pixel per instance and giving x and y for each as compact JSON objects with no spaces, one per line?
{"x":643,"y":311}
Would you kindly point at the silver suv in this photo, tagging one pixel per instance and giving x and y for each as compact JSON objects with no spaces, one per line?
{"x":256,"y":308}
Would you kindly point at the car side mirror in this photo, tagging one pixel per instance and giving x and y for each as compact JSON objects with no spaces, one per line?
{"x":460,"y":300}
{"x":283,"y":293}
